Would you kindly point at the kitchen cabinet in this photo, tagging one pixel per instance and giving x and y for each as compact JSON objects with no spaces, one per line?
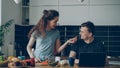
{"x":75,"y":12}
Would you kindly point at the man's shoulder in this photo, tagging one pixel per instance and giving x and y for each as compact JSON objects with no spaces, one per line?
{"x":97,"y":41}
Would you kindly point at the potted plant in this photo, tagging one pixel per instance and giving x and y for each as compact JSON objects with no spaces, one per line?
{"x":3,"y":30}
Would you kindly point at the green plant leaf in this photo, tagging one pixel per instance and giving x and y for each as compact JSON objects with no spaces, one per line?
{"x":4,"y":29}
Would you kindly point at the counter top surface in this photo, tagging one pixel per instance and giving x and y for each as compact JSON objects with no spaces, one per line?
{"x":67,"y":66}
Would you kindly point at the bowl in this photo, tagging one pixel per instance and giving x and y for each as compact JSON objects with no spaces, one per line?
{"x":53,"y":63}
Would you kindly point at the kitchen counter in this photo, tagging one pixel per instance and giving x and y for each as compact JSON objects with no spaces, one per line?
{"x":67,"y":66}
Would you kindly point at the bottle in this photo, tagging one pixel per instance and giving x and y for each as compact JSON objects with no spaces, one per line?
{"x":32,"y":62}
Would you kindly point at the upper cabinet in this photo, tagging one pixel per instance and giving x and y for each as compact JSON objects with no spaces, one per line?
{"x":105,"y":2}
{"x":72,"y":2}
{"x":104,"y":12}
{"x":43,"y":2}
{"x":37,"y":7}
{"x":75,"y":12}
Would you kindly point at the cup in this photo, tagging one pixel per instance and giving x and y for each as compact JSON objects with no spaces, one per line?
{"x":71,"y":61}
{"x":33,"y":62}
{"x":57,"y":58}
{"x":21,"y":57}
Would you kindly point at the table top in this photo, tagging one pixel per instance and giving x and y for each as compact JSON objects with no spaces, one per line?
{"x":38,"y":65}
{"x":67,"y":66}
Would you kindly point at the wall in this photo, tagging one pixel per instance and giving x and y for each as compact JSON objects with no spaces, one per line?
{"x":75,"y":12}
{"x":109,"y":35}
{"x":0,"y":12}
{"x":10,"y":10}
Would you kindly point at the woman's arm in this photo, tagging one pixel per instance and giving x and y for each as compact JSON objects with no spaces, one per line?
{"x":29,"y":47}
{"x":60,"y":48}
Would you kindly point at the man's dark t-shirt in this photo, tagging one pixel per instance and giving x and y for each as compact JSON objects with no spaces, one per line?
{"x":80,"y":46}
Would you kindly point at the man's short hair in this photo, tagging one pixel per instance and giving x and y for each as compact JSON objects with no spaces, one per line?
{"x":90,"y":26}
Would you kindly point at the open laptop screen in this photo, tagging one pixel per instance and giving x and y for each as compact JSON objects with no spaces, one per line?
{"x":92,"y":59}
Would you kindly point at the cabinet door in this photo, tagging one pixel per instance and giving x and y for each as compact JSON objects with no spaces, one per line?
{"x":105,"y":2}
{"x":43,"y":2}
{"x":37,"y":12}
{"x":73,"y":2}
{"x":73,"y":12}
{"x":73,"y":15}
{"x":105,"y":12}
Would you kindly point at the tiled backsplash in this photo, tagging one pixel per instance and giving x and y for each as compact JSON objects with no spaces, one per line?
{"x":109,"y":35}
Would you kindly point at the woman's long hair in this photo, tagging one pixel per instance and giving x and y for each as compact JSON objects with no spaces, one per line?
{"x":42,"y":24}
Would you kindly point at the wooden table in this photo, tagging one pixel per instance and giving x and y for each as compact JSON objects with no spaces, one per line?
{"x":37,"y":65}
{"x":67,"y":66}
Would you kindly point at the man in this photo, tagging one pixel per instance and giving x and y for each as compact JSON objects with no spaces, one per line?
{"x":86,"y":43}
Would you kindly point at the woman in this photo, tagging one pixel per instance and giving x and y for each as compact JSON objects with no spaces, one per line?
{"x":46,"y":36}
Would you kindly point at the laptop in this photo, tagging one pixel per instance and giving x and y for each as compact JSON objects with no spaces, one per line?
{"x":92,"y":59}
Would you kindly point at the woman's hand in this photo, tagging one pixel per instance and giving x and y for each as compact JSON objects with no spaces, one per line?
{"x":72,"y":40}
{"x":37,"y":60}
